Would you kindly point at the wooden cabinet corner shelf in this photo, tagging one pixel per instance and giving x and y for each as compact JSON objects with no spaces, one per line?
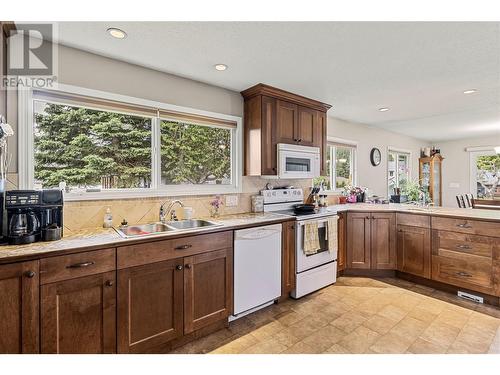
{"x":275,"y":116}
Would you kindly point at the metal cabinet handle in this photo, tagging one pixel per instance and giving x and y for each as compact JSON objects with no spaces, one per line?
{"x":464,"y":225}
{"x":109,"y":283}
{"x":464,"y":274}
{"x":188,"y":266}
{"x":368,"y":218}
{"x":30,"y":274}
{"x":178,"y":267}
{"x":81,"y":265}
{"x":464,"y":247}
{"x":300,"y":140}
{"x":183,"y":247}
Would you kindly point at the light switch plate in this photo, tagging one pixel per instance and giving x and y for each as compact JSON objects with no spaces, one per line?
{"x":454,"y":185}
{"x":231,"y":200}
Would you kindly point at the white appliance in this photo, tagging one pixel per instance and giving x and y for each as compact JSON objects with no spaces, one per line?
{"x":315,"y":271}
{"x":296,"y":161}
{"x":257,"y":268}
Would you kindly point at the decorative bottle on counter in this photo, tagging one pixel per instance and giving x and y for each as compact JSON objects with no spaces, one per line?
{"x":108,"y":219}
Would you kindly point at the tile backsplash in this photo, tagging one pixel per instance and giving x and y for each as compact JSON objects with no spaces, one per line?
{"x":89,"y":214}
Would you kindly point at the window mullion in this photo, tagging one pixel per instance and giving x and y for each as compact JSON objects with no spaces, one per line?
{"x":155,"y":153}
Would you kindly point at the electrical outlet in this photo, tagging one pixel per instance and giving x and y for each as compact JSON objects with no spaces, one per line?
{"x":231,"y":200}
{"x":454,"y":185}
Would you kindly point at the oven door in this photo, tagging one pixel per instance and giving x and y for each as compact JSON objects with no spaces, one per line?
{"x":323,"y":256}
{"x":298,"y":164}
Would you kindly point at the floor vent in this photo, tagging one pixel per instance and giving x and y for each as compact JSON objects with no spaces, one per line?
{"x":470,"y":297}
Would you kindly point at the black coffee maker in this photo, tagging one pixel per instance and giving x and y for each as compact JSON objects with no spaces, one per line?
{"x":33,"y":215}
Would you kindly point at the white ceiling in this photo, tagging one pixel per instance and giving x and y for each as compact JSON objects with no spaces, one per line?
{"x":417,"y":69}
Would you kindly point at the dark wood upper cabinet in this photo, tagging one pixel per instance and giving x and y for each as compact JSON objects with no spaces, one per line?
{"x":287,"y":122}
{"x":79,"y":315}
{"x":150,"y":305}
{"x":19,"y":306}
{"x":275,"y":116}
{"x":288,"y":258}
{"x":208,"y":280}
{"x":414,"y":250}
{"x":383,"y":241}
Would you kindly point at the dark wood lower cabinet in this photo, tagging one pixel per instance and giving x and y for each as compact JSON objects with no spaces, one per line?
{"x":414,"y":250}
{"x":358,"y":240}
{"x":383,"y":241}
{"x":79,"y":315}
{"x":150,"y":305}
{"x":208,"y":280}
{"x":341,"y":256}
{"x":288,"y":258}
{"x":19,"y":306}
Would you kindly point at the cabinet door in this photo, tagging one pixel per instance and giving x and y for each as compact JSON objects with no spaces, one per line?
{"x":287,"y":119}
{"x":308,"y":130}
{"x":79,"y":316}
{"x":341,"y":258}
{"x":358,"y":240}
{"x":149,"y":305}
{"x":268,"y":138}
{"x":414,"y":250}
{"x":19,"y":295}
{"x":288,"y":258}
{"x":383,"y":241}
{"x":208,"y":281}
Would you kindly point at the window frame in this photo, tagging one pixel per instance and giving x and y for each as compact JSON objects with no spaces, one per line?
{"x":26,"y":146}
{"x":332,"y":143}
{"x":474,"y":153}
{"x":398,"y":151}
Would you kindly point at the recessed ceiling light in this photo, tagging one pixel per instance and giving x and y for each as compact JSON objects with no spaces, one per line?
{"x":117,"y":33}
{"x":220,"y":67}
{"x":470,"y":91}
{"x":383,"y":109}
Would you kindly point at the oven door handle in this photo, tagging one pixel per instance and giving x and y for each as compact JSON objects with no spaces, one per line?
{"x":302,"y":223}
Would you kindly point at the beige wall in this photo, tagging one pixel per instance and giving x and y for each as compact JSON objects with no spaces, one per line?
{"x":375,"y":178}
{"x":456,"y":166}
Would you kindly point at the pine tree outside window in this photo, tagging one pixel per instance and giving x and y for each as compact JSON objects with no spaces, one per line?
{"x":98,"y":148}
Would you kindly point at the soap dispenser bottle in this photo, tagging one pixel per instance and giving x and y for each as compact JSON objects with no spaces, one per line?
{"x":108,"y":219}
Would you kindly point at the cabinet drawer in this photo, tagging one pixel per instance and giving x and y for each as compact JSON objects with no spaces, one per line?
{"x":468,"y":271}
{"x":135,"y":255}
{"x":413,"y":220}
{"x":484,"y":228}
{"x":464,"y":243}
{"x":76,"y":265}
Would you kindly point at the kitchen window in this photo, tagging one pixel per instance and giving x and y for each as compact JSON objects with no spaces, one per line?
{"x":341,"y":166}
{"x":99,"y":148}
{"x":398,"y":169}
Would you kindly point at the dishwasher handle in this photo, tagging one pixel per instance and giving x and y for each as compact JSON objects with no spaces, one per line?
{"x":256,"y":234}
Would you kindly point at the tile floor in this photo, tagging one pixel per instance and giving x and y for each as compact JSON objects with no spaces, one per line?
{"x":362,"y":315}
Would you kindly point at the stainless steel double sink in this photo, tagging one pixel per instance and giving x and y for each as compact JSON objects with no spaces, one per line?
{"x":128,"y":231}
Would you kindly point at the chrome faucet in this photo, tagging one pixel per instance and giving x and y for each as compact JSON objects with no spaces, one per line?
{"x":164,"y":212}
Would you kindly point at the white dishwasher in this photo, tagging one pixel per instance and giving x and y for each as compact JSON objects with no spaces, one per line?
{"x":257,"y":268}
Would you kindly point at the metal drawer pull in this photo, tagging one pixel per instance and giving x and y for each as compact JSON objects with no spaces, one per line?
{"x":178,"y":267}
{"x":464,"y":225}
{"x":183,"y":247}
{"x":464,"y":274}
{"x":30,"y":274}
{"x":81,"y":265}
{"x":464,"y":247}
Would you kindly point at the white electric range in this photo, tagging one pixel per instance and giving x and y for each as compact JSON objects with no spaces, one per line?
{"x":314,"y":271}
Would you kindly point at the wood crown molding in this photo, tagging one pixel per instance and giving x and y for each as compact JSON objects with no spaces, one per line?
{"x":262,"y":89}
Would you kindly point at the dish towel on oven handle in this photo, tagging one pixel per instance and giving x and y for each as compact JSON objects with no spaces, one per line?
{"x":311,"y":238}
{"x":332,"y":233}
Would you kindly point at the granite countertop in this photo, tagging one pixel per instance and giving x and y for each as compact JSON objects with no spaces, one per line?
{"x":469,"y":213}
{"x":99,"y":238}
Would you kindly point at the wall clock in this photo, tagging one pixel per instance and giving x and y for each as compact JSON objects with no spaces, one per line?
{"x":375,"y":156}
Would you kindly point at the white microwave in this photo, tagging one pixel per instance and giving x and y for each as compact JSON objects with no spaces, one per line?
{"x":297,"y":162}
